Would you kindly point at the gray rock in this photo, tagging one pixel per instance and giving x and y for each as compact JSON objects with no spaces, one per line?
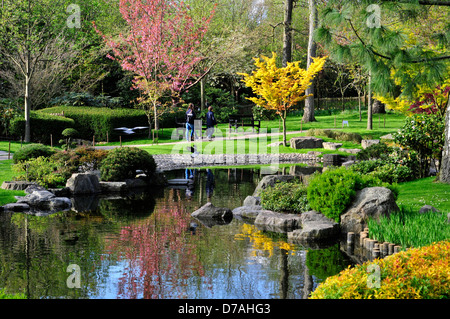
{"x":113,"y":187}
{"x":56,"y":204}
{"x":270,"y":180}
{"x":16,"y":207}
{"x":350,"y":150}
{"x":34,"y":187}
{"x":315,"y":227}
{"x":17,"y":185}
{"x":83,"y":183}
{"x":248,"y":212}
{"x":366,"y":143}
{"x":428,"y":208}
{"x":314,"y":231}
{"x":306,"y":142}
{"x":348,"y":163}
{"x":42,"y":200}
{"x":210,"y":211}
{"x":37,"y":198}
{"x":331,"y":160}
{"x":387,"y":137}
{"x":278,"y":222}
{"x":252,"y":200}
{"x":372,"y":202}
{"x":331,"y":145}
{"x":60,"y":192}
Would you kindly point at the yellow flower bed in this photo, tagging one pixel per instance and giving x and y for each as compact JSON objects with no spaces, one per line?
{"x":421,"y":273}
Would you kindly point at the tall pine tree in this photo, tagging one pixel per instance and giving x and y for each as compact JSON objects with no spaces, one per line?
{"x":395,"y":42}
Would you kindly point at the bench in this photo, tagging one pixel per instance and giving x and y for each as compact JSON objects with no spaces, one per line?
{"x":242,"y":121}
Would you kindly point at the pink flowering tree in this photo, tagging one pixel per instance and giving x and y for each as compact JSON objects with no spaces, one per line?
{"x":162,"y":48}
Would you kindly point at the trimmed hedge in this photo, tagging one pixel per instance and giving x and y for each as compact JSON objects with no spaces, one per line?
{"x":90,"y":121}
{"x":420,"y":273}
{"x":42,"y":125}
{"x":122,"y":163}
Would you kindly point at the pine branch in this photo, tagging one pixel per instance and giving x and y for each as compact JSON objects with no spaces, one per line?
{"x":444,"y":3}
{"x":438,"y":58}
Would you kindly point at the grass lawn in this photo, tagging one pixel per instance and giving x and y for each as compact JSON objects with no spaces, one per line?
{"x":6,"y":174}
{"x":425,"y":191}
{"x":382,"y":124}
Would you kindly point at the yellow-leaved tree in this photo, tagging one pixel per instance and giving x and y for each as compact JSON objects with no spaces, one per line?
{"x":280,"y":88}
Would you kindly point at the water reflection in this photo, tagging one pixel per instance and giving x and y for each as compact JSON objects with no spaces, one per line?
{"x":146,"y":245}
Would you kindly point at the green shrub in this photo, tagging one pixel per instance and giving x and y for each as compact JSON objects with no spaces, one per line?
{"x":31,"y":151}
{"x":333,"y":190}
{"x":70,"y":132}
{"x":122,"y":163}
{"x":374,"y":151}
{"x":42,"y":126}
{"x":55,"y":170}
{"x":392,"y":173}
{"x":424,"y":135}
{"x":289,"y":197}
{"x":46,"y":171}
{"x":385,"y":171}
{"x":100,"y":121}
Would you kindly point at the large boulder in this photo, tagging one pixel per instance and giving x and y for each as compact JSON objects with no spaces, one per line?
{"x":271,"y":180}
{"x":306,"y":142}
{"x":84,"y":183}
{"x":209,"y":211}
{"x":278,"y":222}
{"x":372,"y":202}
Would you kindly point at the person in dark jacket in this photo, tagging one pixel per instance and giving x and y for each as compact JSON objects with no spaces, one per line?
{"x":210,"y":123}
{"x":190,"y":118}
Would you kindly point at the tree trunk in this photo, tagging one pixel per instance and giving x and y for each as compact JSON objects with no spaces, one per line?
{"x":27,"y":107}
{"x":202,"y":94}
{"x":369,"y":107}
{"x":308,"y":115}
{"x":283,"y":118}
{"x":359,"y":105}
{"x":287,"y":38}
{"x":155,"y":115}
{"x":444,"y":175}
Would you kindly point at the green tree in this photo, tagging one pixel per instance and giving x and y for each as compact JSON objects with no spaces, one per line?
{"x":34,"y":41}
{"x":402,"y":44}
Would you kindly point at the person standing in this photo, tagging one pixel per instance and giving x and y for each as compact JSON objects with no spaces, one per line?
{"x":190,"y":118}
{"x":210,"y":123}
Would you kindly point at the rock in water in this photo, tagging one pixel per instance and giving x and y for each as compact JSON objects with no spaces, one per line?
{"x":210,"y":211}
{"x":83,"y":183}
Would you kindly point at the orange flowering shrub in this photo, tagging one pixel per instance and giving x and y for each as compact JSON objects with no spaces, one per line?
{"x":421,"y":273}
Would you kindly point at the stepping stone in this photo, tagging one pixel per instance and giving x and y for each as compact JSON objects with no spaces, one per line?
{"x":331,"y":146}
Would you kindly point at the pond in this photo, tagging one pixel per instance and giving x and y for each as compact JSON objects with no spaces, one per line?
{"x":146,"y":245}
